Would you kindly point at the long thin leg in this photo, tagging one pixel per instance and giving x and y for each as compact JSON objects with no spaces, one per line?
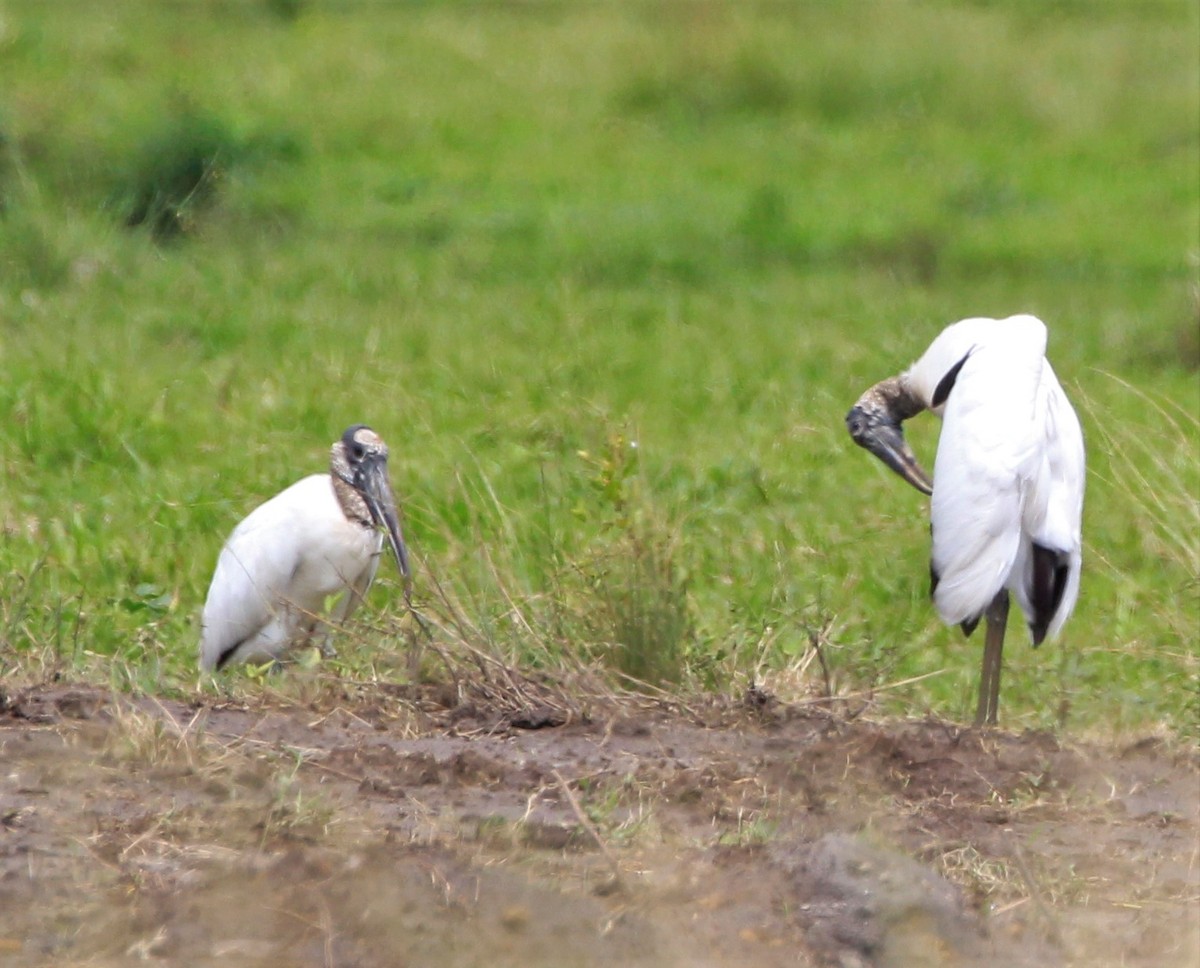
{"x":993,"y":646}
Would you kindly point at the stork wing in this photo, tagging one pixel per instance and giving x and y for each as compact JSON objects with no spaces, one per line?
{"x":986,"y":456}
{"x":244,"y":588}
{"x":253,"y":569}
{"x":1052,"y":515}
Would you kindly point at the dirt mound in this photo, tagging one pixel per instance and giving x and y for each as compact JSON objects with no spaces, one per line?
{"x":389,"y":828}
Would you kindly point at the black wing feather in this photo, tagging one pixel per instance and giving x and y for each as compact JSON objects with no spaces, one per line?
{"x":946,"y":384}
{"x":1051,"y":569}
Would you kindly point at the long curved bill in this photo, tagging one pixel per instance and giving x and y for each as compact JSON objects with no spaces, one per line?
{"x":377,"y":490}
{"x":885,"y":439}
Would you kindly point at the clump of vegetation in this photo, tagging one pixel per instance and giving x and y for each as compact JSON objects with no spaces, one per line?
{"x":634,"y":602}
{"x":174,"y":173}
{"x":702,"y":90}
{"x":287,"y":10}
{"x":603,"y":610}
{"x":8,"y":168}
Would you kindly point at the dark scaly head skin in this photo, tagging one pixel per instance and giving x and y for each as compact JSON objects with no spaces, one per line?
{"x":874,"y":422}
{"x":358,"y":463}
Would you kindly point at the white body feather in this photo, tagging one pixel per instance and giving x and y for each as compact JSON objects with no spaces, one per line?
{"x":278,"y":569}
{"x":1009,"y":471}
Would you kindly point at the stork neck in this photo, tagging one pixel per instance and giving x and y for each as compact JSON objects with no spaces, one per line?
{"x":352,"y":503}
{"x":900,"y":398}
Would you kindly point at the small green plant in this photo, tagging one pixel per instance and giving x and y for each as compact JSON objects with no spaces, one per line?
{"x":637,"y":608}
{"x":294,"y":812}
{"x":754,"y":829}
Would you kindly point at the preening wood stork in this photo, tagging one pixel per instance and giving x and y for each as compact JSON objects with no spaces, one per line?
{"x":1007,"y":488}
{"x":318,"y":538}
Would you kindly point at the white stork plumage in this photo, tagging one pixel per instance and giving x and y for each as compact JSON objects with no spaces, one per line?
{"x":318,"y":538}
{"x":1008,"y":480}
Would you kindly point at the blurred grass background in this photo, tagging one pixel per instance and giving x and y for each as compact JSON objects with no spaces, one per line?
{"x":607,"y":276}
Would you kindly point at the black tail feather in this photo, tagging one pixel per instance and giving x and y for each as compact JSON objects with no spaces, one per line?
{"x":227,"y":654}
{"x":1047,"y":586}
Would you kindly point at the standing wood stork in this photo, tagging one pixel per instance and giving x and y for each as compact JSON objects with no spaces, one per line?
{"x":318,"y":538}
{"x":1007,"y":488}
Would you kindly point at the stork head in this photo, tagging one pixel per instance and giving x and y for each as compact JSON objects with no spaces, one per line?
{"x":875,"y":422}
{"x":359,"y":462}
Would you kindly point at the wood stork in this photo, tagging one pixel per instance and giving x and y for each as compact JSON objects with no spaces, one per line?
{"x":318,"y":538}
{"x":1007,"y":488}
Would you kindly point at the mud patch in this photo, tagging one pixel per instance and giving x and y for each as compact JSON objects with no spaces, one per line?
{"x":366,"y":835}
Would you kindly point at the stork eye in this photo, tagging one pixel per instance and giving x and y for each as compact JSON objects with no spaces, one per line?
{"x":358,"y":451}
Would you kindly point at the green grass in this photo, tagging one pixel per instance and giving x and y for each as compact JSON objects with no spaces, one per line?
{"x":518,"y":238}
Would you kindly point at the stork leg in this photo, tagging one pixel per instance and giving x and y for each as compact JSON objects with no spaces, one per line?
{"x":993,"y":646}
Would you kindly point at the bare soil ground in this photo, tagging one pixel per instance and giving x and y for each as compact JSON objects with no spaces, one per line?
{"x":376,"y":827}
